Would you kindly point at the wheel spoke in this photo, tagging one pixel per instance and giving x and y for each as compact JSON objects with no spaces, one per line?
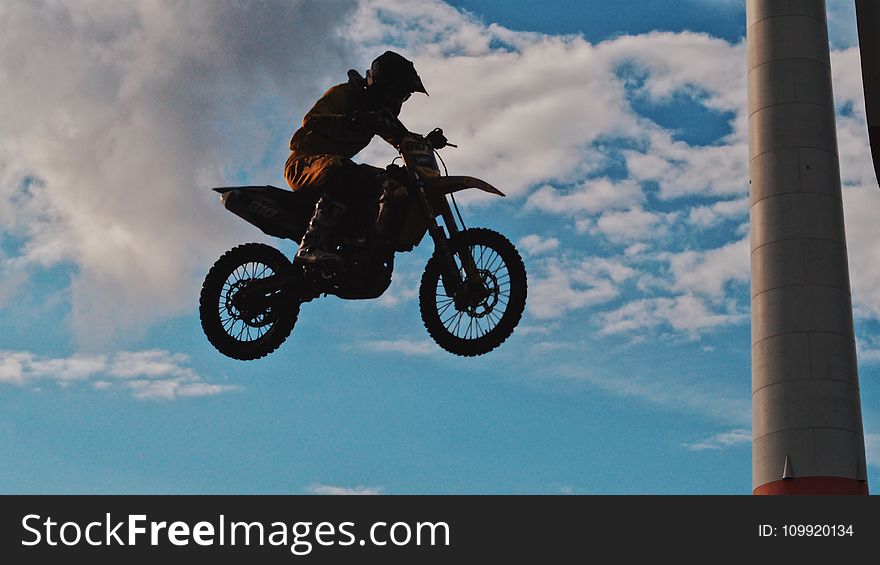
{"x":458,"y":322}
{"x":441,"y":311}
{"x":451,"y":316}
{"x":480,"y":331}
{"x":481,"y":263}
{"x":232,"y":323}
{"x":491,"y":264}
{"x":482,"y":252}
{"x":495,"y":318}
{"x":488,"y":299}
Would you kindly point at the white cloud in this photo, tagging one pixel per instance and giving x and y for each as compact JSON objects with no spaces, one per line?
{"x":709,"y":71}
{"x":543,"y":329}
{"x":12,"y":367}
{"x":545,"y":347}
{"x":868,"y":348}
{"x":686,"y":62}
{"x":534,"y":244}
{"x":436,"y":27}
{"x":861,"y":209}
{"x":846,"y":75}
{"x":151,"y":374}
{"x":128,"y":364}
{"x":636,"y":249}
{"x":568,"y":286}
{"x":695,"y":300}
{"x":861,"y":199}
{"x":872,"y":449}
{"x":516,"y":124}
{"x":402,"y":346}
{"x":593,"y":196}
{"x":515,"y":127}
{"x":64,"y":370}
{"x":708,"y":216}
{"x":344,"y":491}
{"x":140,"y":105}
{"x":708,"y":272}
{"x":11,"y":283}
{"x":706,"y":398}
{"x":731,"y":438}
{"x":633,"y":225}
{"x":685,"y":313}
{"x":684,"y":170}
{"x":116,"y":118}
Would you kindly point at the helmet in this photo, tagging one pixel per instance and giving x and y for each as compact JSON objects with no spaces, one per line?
{"x":395,"y":76}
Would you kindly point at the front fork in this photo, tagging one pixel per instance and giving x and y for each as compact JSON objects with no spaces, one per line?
{"x":449,"y":273}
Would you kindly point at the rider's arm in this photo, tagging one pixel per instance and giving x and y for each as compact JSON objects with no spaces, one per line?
{"x":332,"y":113}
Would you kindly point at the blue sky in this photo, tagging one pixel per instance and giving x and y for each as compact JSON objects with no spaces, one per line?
{"x":620,"y":137}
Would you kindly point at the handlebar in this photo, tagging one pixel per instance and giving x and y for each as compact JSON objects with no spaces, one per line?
{"x":398,"y":131}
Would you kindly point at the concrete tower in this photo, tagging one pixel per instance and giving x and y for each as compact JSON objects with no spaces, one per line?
{"x":806,"y":412}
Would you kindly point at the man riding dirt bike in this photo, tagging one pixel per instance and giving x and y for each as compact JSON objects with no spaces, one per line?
{"x":337,"y":127}
{"x":351,"y":220}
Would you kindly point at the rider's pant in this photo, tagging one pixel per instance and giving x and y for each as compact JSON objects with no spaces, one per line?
{"x":338,"y":176}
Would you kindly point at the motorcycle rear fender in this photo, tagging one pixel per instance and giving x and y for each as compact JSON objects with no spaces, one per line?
{"x":277,"y":212}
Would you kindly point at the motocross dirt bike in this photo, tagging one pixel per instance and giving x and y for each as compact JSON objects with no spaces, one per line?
{"x":472,"y":292}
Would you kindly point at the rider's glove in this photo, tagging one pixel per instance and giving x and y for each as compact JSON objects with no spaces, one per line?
{"x":437,"y":139}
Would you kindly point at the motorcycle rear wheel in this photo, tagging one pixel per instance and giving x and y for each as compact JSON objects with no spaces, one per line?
{"x":236,"y":333}
{"x":481,"y":325}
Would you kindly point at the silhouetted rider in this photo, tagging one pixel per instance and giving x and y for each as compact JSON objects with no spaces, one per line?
{"x":340,"y":124}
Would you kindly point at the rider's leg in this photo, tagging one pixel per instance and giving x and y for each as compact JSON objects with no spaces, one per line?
{"x":318,"y":246}
{"x":342,"y":185}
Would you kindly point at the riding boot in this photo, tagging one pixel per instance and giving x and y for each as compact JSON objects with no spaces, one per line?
{"x":317,"y":247}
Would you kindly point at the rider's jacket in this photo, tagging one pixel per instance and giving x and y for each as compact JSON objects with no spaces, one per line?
{"x":322,"y":148}
{"x":328,"y":129}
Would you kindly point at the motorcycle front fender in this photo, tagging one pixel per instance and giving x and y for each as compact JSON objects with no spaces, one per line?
{"x":436,"y":190}
{"x":441,"y":186}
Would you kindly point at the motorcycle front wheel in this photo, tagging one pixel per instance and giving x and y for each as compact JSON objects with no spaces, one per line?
{"x":237,"y":329}
{"x":476,"y":325}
